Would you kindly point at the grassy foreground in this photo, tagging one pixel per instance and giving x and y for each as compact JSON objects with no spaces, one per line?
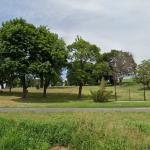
{"x":78,"y":131}
{"x":67,"y":97}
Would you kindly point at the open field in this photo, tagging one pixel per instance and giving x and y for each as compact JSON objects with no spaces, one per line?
{"x":67,"y":97}
{"x":78,"y":131}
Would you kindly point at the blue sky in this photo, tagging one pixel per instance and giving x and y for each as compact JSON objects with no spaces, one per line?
{"x":119,"y":24}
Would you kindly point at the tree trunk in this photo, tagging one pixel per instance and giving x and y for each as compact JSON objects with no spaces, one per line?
{"x":41,"y":81}
{"x":120,"y":81}
{"x":10,"y":90}
{"x":46,"y":84}
{"x":44,"y":91}
{"x":80,"y":90}
{"x":111,"y":79}
{"x":10,"y":87}
{"x":24,"y":92}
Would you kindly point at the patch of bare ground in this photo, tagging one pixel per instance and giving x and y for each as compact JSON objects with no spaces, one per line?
{"x":59,"y":148}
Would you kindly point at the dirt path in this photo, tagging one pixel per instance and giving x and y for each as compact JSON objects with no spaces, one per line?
{"x":74,"y":110}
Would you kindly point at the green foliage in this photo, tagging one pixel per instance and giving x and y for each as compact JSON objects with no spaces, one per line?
{"x":51,"y":56}
{"x":17,"y":38}
{"x":101,"y":70}
{"x":76,"y":75}
{"x":143,"y":73}
{"x":82,"y":57}
{"x":28,"y":52}
{"x":102,"y":95}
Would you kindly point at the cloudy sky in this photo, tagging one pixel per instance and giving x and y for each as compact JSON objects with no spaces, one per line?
{"x":111,"y":24}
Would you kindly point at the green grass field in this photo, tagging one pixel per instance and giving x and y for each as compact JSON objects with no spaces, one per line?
{"x":67,"y":97}
{"x":78,"y":131}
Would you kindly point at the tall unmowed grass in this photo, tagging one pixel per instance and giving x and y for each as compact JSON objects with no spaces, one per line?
{"x":79,"y":131}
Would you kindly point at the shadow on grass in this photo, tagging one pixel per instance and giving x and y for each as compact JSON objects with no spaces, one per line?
{"x":51,"y":97}
{"x":128,"y":84}
{"x":142,"y":89}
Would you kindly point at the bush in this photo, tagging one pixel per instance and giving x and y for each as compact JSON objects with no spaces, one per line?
{"x":101,"y":95}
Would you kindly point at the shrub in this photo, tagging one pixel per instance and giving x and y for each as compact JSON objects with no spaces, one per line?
{"x":101,"y":95}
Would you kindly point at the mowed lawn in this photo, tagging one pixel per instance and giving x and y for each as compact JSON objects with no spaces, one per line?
{"x":67,"y":97}
{"x":77,"y":131}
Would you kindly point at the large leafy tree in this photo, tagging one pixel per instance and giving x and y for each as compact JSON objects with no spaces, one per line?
{"x":82,"y":57}
{"x":17,"y":38}
{"x":51,"y":57}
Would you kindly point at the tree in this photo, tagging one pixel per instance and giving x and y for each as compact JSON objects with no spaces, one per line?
{"x":82,"y":56}
{"x":51,"y":57}
{"x":10,"y":71}
{"x":2,"y":73}
{"x":143,"y":73}
{"x":17,"y":38}
{"x":122,"y":63}
{"x":101,"y":70}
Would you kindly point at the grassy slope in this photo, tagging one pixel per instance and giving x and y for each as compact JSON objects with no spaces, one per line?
{"x":80,"y":131}
{"x":67,"y":97}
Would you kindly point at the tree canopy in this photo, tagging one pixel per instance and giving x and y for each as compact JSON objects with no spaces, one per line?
{"x":143,"y":73}
{"x":82,"y":56}
{"x":17,"y":38}
{"x":122,"y":63}
{"x":34,"y":51}
{"x":51,"y":56}
{"x":31,"y":53}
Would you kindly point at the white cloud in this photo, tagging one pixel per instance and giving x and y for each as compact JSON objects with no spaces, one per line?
{"x":119,"y":24}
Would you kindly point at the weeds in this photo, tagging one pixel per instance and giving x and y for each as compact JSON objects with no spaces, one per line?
{"x":77,"y":131}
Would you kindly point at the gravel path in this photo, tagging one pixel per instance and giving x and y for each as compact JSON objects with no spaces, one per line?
{"x":74,"y":110}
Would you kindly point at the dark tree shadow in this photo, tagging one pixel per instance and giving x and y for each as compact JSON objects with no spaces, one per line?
{"x":34,"y":97}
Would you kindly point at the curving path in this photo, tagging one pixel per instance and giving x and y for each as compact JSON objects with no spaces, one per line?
{"x":38,"y":110}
